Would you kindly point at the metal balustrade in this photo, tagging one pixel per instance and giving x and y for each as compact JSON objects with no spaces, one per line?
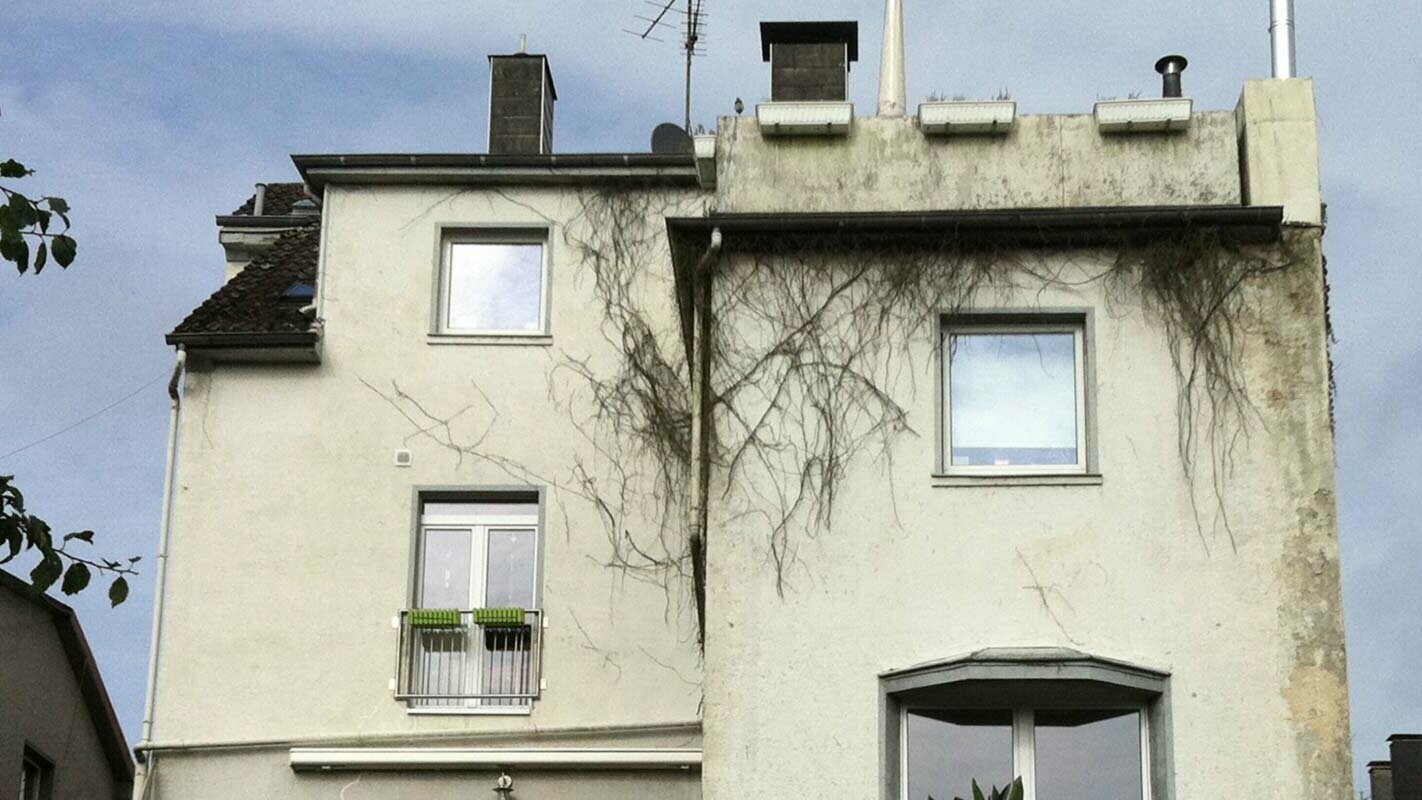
{"x":468,"y":664}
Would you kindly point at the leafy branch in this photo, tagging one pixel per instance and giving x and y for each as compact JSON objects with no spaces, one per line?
{"x":23,"y":532}
{"x":22,"y":217}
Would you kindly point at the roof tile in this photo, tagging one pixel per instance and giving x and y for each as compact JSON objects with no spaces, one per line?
{"x":256,"y":300}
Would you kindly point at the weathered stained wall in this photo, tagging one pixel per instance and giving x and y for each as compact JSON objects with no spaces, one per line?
{"x":292,"y":531}
{"x":1246,"y":620}
{"x":1057,"y":161}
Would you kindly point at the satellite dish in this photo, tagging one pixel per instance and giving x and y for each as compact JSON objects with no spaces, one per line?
{"x":670,"y":139}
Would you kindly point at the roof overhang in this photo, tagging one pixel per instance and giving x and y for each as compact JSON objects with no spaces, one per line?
{"x":813,"y":32}
{"x":1083,"y":227}
{"x":265,"y":348}
{"x":474,"y":169}
{"x":267,"y":221}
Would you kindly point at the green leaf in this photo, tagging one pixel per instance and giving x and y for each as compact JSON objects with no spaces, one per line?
{"x":37,"y":533}
{"x":46,"y":572}
{"x":75,"y":578}
{"x":44,"y":218}
{"x":12,"y":536}
{"x":118,"y":591}
{"x":83,"y":536}
{"x":63,"y":249}
{"x":22,"y":211}
{"x":41,"y":256}
{"x":1015,"y":793}
{"x":977,"y":792}
{"x":21,"y":250}
{"x":13,"y":169}
{"x":57,"y":205}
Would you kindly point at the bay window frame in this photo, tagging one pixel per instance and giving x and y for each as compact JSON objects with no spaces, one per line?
{"x":1024,"y":741}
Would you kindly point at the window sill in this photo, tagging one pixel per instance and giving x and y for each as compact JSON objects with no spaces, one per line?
{"x":955,"y":481}
{"x":509,"y":340}
{"x":476,"y":711}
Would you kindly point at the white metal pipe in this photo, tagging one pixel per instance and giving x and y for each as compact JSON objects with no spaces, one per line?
{"x":164,"y":526}
{"x":680,"y":727}
{"x":1281,"y":37}
{"x":892,"y":98}
{"x":407,"y":758}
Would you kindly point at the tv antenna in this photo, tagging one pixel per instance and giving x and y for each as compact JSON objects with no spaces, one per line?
{"x":691,"y":30}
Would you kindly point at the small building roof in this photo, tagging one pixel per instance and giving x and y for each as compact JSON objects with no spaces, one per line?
{"x":260,"y":300}
{"x":279,"y":199}
{"x":86,"y":672}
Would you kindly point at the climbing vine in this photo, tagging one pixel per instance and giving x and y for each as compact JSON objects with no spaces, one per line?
{"x":812,"y":367}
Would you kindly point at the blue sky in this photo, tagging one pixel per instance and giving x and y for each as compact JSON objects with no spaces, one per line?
{"x":152,"y":116}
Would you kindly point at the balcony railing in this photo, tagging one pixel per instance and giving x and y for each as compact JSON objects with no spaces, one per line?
{"x":459,"y":659}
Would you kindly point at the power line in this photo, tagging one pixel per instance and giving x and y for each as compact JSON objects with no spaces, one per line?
{"x":73,"y":425}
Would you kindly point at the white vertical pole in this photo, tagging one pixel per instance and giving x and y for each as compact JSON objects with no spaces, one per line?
{"x":891,"y":62}
{"x":1281,"y":38}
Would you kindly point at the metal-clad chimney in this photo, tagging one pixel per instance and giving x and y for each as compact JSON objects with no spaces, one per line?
{"x":1281,"y":36}
{"x":1406,"y":751}
{"x":892,"y":100}
{"x":1170,"y":69}
{"x":259,"y":200}
{"x":809,"y":60}
{"x":1380,"y":780}
{"x":521,"y":97}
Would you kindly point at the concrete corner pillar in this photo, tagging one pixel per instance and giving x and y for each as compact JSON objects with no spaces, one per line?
{"x":1278,"y":146}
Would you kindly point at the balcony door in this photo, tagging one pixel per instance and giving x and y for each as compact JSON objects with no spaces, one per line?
{"x":477,"y":555}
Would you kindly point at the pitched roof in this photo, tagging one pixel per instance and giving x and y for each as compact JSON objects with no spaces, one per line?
{"x":265,"y":298}
{"x":86,"y":672}
{"x":278,"y":202}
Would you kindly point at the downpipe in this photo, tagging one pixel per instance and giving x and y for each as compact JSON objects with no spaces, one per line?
{"x":142,"y":785}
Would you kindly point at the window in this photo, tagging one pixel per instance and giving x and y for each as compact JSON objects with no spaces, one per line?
{"x":36,"y":777}
{"x":1014,"y":395}
{"x":1070,"y":724}
{"x":1060,"y":753}
{"x":478,"y":572}
{"x":494,"y":283}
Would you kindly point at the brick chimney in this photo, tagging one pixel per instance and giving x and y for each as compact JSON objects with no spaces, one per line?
{"x":809,"y":60}
{"x":521,"y":97}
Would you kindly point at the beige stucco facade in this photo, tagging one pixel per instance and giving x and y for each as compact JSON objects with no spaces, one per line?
{"x":1243,"y":615}
{"x":293,"y":532}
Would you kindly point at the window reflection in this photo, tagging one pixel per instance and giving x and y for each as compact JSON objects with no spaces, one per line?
{"x":1088,"y":755}
{"x":948,"y":750}
{"x":1013,"y":399}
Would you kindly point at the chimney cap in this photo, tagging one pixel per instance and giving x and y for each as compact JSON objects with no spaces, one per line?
{"x":1405,"y":737}
{"x":1171,"y":65}
{"x":547,"y":71}
{"x":846,"y":32}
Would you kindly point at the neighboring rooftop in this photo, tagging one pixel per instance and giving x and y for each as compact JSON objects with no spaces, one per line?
{"x":280,"y":197}
{"x":86,"y":673}
{"x":264,"y":299}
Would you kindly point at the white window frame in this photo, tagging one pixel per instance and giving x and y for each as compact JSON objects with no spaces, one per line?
{"x":1024,"y":743}
{"x":1078,"y":329}
{"x":452,"y":237}
{"x":478,"y":527}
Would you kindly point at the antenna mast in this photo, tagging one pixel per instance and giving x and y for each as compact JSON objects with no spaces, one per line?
{"x":692,"y":32}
